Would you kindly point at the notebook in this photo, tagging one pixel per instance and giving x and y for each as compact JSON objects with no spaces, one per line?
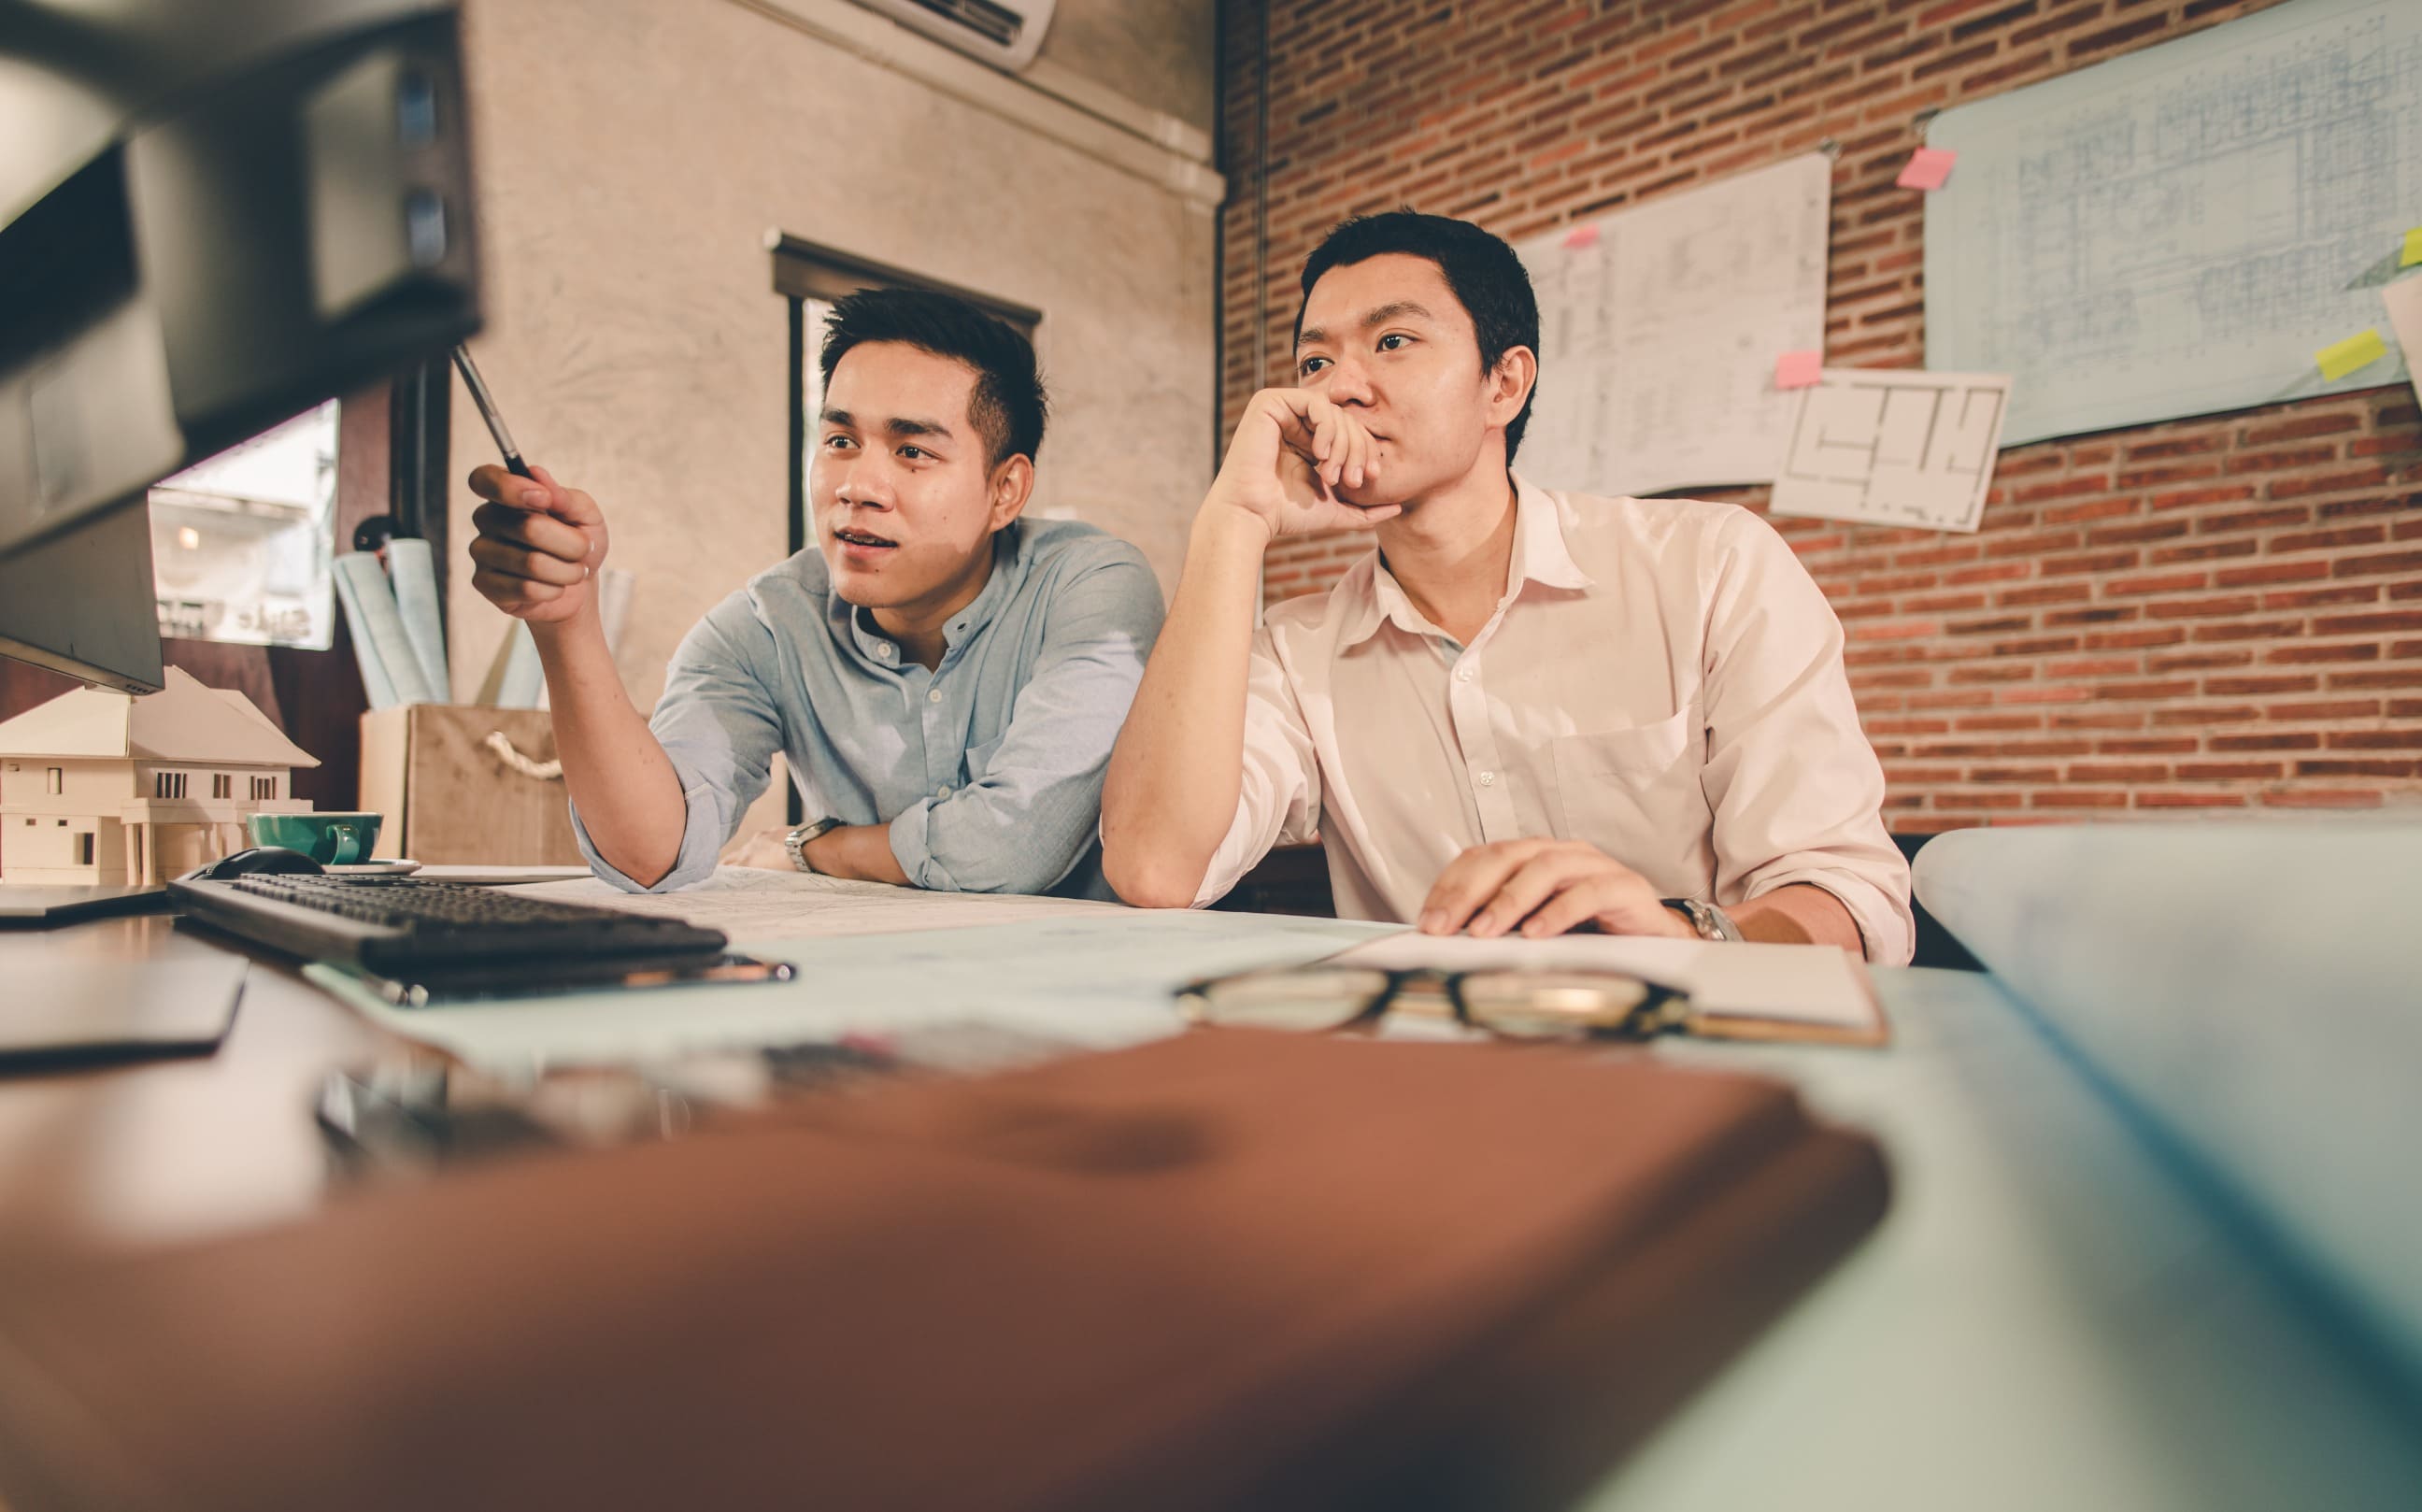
{"x":1234,"y":1268}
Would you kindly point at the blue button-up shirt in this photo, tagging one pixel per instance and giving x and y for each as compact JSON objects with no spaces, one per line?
{"x":988,"y":769}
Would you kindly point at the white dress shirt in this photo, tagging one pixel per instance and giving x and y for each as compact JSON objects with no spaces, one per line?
{"x":1661,"y":679}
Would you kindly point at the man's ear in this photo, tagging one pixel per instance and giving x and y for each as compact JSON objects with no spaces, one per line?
{"x":1510,"y":384}
{"x":1013,"y":484}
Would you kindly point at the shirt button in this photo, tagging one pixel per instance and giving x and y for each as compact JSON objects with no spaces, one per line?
{"x":1488,"y":779}
{"x":942,"y":792}
{"x":1463,"y":674}
{"x":883,"y":652}
{"x":934,"y":696}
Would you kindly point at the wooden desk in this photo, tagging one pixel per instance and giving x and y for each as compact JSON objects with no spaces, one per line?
{"x":165,"y":1150}
{"x":2048,"y":1316}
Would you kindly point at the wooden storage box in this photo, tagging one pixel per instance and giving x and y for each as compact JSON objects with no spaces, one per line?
{"x":465,"y":784}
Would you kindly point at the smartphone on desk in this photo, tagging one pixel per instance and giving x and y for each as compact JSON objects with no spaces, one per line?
{"x":422,"y":1111}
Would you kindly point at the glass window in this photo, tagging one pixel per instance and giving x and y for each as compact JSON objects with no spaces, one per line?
{"x":54,"y":780}
{"x":241,"y":544}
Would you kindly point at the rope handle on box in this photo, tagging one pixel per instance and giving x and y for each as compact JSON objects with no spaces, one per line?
{"x":503,"y":746}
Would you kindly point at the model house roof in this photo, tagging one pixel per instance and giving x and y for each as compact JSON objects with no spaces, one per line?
{"x":182,"y":722}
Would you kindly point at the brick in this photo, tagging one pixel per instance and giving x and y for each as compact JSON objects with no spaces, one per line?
{"x":2229,"y":771}
{"x":2286,"y":654}
{"x":2172,"y":799}
{"x":2376,"y":739}
{"x":2364,"y":624}
{"x":2117,"y":772}
{"x":2325,"y":709}
{"x":2320,"y":798}
{"x":2394,"y":769}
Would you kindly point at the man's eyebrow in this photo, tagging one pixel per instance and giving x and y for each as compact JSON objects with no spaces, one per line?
{"x":1395,"y":310}
{"x":897,"y":426}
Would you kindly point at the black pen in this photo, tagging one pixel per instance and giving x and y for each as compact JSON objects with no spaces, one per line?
{"x":487,"y":404}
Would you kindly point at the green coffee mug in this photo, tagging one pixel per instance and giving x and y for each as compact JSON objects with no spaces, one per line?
{"x":329,"y":839}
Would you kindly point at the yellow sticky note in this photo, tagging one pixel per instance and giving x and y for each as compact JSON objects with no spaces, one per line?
{"x":2412,"y":248}
{"x":2342,"y":357}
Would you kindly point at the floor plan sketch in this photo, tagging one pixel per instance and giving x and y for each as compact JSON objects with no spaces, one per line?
{"x":1658,"y":328}
{"x":1890,"y":447}
{"x":2178,"y":232}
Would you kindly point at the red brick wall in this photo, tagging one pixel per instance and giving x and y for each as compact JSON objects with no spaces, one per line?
{"x":2214,"y":613}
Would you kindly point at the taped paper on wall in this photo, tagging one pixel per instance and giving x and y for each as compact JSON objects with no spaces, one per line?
{"x":2404,"y":301}
{"x":1884,"y":446}
{"x":2178,"y":230}
{"x":1658,"y":328}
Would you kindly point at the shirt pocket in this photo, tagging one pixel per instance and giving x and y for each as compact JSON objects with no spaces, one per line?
{"x":1634,"y":793}
{"x":978,"y":759}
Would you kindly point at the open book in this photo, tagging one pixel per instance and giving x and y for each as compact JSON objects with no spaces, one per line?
{"x":1794,"y":992}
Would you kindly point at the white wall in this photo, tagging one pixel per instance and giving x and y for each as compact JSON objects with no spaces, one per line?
{"x":633,"y":154}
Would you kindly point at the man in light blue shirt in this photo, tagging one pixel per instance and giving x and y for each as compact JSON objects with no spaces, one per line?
{"x":945,"y":679}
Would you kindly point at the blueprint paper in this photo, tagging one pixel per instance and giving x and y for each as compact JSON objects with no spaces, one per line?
{"x":2178,"y":232}
{"x":1887,"y":447}
{"x":1658,"y":336}
{"x":753,"y":905}
{"x":1102,"y":977}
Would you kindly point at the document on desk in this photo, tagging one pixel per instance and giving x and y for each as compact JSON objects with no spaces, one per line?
{"x":753,"y":905}
{"x":1737,"y":991}
{"x":1090,"y":976}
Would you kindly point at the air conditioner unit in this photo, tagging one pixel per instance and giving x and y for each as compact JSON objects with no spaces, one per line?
{"x":1003,"y":33}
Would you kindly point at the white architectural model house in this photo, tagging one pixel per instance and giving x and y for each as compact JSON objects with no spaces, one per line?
{"x":102,"y":789}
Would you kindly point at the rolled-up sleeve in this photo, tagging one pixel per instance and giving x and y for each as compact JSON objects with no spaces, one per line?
{"x":1279,"y":799}
{"x":719,"y":725}
{"x":1796,"y":789}
{"x":1028,"y":819}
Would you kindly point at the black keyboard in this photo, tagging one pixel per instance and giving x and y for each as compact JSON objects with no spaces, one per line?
{"x":412,"y":930}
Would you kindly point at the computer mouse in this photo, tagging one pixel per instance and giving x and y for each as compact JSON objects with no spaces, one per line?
{"x":246,"y":862}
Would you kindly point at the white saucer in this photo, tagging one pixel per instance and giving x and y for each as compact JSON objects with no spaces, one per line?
{"x":374,"y":869}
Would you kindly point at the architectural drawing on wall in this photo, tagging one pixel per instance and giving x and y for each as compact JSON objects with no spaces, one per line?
{"x":2178,"y":232}
{"x":1658,"y":328}
{"x":1888,"y":447}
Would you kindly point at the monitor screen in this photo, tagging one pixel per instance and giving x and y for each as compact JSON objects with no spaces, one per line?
{"x":212,"y":218}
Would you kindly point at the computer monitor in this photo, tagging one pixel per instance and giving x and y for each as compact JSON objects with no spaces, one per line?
{"x":212,"y":217}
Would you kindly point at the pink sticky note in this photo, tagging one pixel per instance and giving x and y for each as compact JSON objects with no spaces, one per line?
{"x":1580,"y":236}
{"x":1929,"y":167}
{"x":1798,"y":370}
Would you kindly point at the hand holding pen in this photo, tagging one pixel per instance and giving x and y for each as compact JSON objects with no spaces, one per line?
{"x":540,"y":544}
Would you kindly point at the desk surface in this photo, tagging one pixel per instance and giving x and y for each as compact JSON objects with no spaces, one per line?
{"x":2046,"y":1318}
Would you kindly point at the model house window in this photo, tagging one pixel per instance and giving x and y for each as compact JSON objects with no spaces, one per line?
{"x":264,"y":787}
{"x":54,"y":780}
{"x":84,"y":848}
{"x":168,"y":784}
{"x":222,"y":785}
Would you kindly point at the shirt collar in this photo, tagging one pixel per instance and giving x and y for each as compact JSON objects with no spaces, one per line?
{"x":1540,"y":556}
{"x":1008,"y":569}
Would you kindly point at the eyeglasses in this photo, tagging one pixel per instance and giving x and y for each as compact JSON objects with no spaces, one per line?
{"x":1514,"y":1004}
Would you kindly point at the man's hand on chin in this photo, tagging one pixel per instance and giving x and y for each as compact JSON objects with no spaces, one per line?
{"x":1542,"y":888}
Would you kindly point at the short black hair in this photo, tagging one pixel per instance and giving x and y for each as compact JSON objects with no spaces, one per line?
{"x":1482,"y":270}
{"x":1008,"y":406}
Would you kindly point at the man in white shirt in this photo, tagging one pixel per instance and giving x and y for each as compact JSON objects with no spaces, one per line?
{"x":1526,"y":711}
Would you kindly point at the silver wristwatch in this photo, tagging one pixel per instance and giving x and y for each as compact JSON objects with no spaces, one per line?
{"x":797,"y":841}
{"x":1709,"y":920}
